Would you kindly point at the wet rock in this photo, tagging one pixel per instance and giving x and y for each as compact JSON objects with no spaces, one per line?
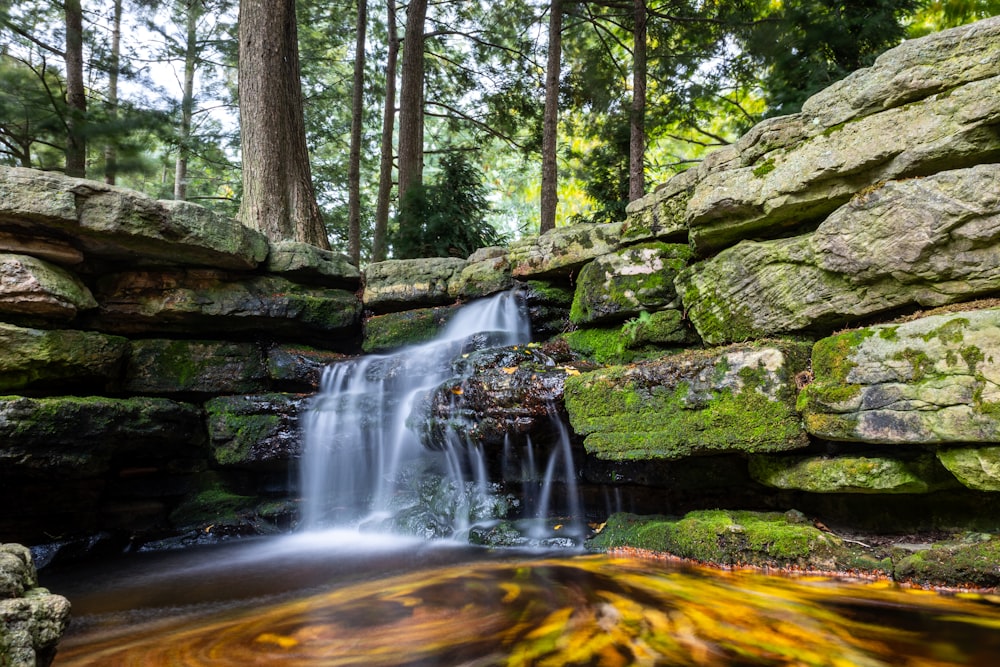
{"x":113,"y":223}
{"x":31,"y":618}
{"x":740,"y":398}
{"x":622,"y":284}
{"x":932,"y":380}
{"x":306,"y":263}
{"x":851,"y":474}
{"x":971,"y":561}
{"x":35,"y":288}
{"x":255,"y":430}
{"x":927,"y":241}
{"x":297,"y":367}
{"x":207,"y":301}
{"x":383,"y":333}
{"x":161,"y":366}
{"x":64,"y":358}
{"x":548,"y":306}
{"x":401,"y":284}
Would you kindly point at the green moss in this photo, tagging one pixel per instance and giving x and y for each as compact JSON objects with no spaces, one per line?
{"x":831,"y":358}
{"x":214,"y":503}
{"x":888,"y":333}
{"x":952,"y":331}
{"x":764,"y":168}
{"x":833,"y":129}
{"x":550,"y":293}
{"x":395,"y":330}
{"x":961,"y":563}
{"x":719,"y":321}
{"x":920,"y":363}
{"x":972,"y":356}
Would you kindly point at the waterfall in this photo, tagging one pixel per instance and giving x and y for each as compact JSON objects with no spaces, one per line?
{"x":363,"y":466}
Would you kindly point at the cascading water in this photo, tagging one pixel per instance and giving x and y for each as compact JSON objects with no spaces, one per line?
{"x":363,"y":466}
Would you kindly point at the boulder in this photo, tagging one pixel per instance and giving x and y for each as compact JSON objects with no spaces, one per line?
{"x":851,"y":474}
{"x":76,"y":436}
{"x":306,"y":263}
{"x":562,"y":251}
{"x":933,"y":380}
{"x":112,"y":223}
{"x":810,"y":179}
{"x":661,"y":213}
{"x":32,"y":620}
{"x":975,"y":467}
{"x":297,"y":367}
{"x":161,"y":366}
{"x":391,"y":331}
{"x":488,"y":271}
{"x":35,"y":288}
{"x":255,"y":430}
{"x":207,"y":301}
{"x":927,"y":241}
{"x":403,"y":284}
{"x":740,"y":398}
{"x":622,"y":284}
{"x":38,"y":357}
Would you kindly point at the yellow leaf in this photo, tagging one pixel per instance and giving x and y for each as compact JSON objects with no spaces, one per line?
{"x":572,"y":371}
{"x":558,"y":526}
{"x":512,"y":591}
{"x":279,"y":640}
{"x":509,"y":370}
{"x":457,"y":391}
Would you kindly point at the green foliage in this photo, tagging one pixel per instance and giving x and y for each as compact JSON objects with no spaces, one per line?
{"x":448,"y":217}
{"x":810,"y":44}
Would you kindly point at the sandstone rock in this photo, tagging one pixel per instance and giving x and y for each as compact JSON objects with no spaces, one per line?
{"x":851,"y":474}
{"x":927,"y":241}
{"x":31,"y":619}
{"x":563,"y":250}
{"x":304,"y":262}
{"x":486,"y":273}
{"x":206,"y":301}
{"x":621,"y":284}
{"x":298,"y":368}
{"x":36,"y":357}
{"x":391,"y":331}
{"x":118,"y":224}
{"x":77,"y":436}
{"x":403,"y":284}
{"x":739,"y":398}
{"x":160,"y":366}
{"x":975,"y":467}
{"x":660,"y":214}
{"x":50,"y":249}
{"x":915,"y":69}
{"x":255,"y":430}
{"x":931,"y":381}
{"x":811,"y":179}
{"x":33,"y":287}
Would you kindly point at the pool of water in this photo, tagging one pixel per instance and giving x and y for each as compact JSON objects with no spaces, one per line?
{"x":342,"y":598}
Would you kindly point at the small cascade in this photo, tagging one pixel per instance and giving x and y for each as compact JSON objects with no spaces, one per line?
{"x":363,"y":466}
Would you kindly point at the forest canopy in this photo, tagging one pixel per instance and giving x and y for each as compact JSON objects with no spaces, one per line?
{"x":445,"y":100}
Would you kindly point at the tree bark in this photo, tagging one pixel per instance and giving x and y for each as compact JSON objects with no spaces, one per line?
{"x":354,"y":167}
{"x":110,"y":150}
{"x":76,"y":98}
{"x":411,"y":99}
{"x":380,"y":240}
{"x":550,"y":121}
{"x":637,"y":127}
{"x":187,"y":100}
{"x":278,"y":195}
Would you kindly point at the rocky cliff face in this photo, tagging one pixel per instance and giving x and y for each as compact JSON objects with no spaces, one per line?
{"x":751,"y":333}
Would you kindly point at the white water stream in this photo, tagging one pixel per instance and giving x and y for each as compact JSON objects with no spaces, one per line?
{"x":362,"y":465}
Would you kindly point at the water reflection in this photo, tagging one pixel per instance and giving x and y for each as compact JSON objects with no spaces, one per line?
{"x":469,"y":607}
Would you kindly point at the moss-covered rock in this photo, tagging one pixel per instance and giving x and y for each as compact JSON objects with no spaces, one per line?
{"x":660,"y":214}
{"x":304,"y":262}
{"x":733,"y":538}
{"x":851,"y":474}
{"x":622,"y":284}
{"x":965,"y":562}
{"x":976,"y":467}
{"x":255,"y":430}
{"x":39,"y":358}
{"x":562,"y":251}
{"x":548,"y":305}
{"x":394,"y":330}
{"x":32,"y":620}
{"x":487,"y":272}
{"x":35,"y":288}
{"x":404,"y":284}
{"x":161,"y":366}
{"x":734,"y":399}
{"x":931,"y":380}
{"x":298,"y":367}
{"x":77,"y":436}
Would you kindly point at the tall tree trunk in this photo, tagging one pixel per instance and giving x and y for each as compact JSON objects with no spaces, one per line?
{"x":187,"y":100}
{"x":380,"y":240}
{"x":637,"y":127}
{"x":76,"y":99}
{"x":278,"y":195}
{"x":550,"y":122}
{"x":110,"y":150}
{"x":354,"y":168}
{"x":411,"y":99}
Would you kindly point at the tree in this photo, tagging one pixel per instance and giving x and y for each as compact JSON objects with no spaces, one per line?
{"x":411,"y":99}
{"x":550,"y":129}
{"x":380,"y":240}
{"x":357,"y":112}
{"x":637,"y":119}
{"x":114,"y":66}
{"x":278,"y":195}
{"x":76,"y":97}
{"x":193,"y":9}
